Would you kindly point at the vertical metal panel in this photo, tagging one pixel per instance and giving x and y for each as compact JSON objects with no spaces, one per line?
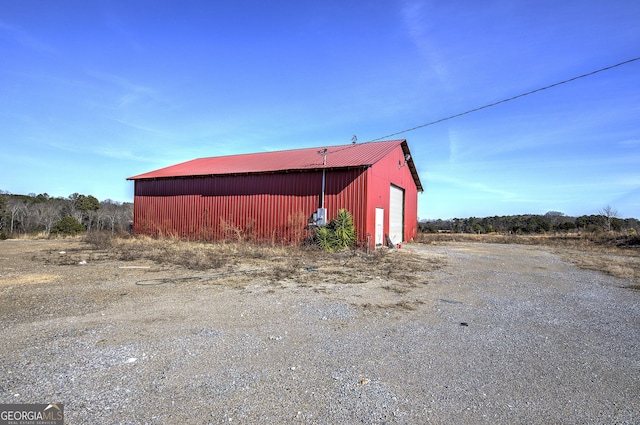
{"x":273,"y":207}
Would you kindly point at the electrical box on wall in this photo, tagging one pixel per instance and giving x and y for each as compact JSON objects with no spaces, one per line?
{"x":320,"y":217}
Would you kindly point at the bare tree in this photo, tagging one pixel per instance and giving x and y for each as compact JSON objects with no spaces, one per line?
{"x":554,"y":218}
{"x":125,"y":216}
{"x":18,"y":210}
{"x":609,"y":214}
{"x":39,"y":213}
{"x":109,"y":212}
{"x":46,"y":215}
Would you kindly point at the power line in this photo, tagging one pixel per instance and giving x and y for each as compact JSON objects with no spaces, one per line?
{"x":507,"y":100}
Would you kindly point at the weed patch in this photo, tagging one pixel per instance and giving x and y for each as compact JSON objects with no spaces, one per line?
{"x":279,"y":263}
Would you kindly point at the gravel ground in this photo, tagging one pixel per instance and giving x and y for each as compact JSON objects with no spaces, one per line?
{"x":499,"y":334}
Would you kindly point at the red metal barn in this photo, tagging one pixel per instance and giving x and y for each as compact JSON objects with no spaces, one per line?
{"x":274,"y":196}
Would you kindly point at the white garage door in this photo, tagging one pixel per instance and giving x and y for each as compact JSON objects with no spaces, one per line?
{"x":396,"y":214}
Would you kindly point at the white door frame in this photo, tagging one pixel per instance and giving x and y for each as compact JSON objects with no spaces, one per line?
{"x":379,"y":236}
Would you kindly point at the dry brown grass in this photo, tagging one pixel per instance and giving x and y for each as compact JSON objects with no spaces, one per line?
{"x":584,"y":241}
{"x":623,"y":264}
{"x":615,"y":254}
{"x":304,"y":266}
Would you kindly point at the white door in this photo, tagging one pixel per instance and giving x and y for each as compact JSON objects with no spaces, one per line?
{"x":396,"y":215}
{"x":379,"y":226}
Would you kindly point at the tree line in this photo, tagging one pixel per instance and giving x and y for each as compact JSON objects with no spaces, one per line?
{"x":606,"y":220}
{"x":45,"y":215}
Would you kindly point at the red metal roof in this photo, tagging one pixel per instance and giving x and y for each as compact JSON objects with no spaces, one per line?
{"x":343,"y":156}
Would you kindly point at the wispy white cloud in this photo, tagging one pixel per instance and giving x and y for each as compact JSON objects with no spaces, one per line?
{"x":457,"y":149}
{"x":144,"y":128}
{"x":631,"y":199}
{"x":132,"y":97}
{"x":25,"y":39}
{"x":118,"y":27}
{"x":117,"y":152}
{"x":629,"y":143}
{"x":417,"y":18}
{"x":473,"y":186}
{"x":133,"y":92}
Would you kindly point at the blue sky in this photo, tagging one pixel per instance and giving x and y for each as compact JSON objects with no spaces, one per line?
{"x":94,"y":92}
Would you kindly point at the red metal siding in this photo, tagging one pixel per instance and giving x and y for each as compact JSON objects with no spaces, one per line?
{"x":273,"y":207}
{"x":392,"y":170}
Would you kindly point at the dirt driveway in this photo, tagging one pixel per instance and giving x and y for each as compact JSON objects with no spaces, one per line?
{"x":498,"y":334}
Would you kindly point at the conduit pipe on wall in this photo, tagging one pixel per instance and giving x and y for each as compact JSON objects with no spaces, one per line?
{"x":321,"y":215}
{"x":324,"y":176}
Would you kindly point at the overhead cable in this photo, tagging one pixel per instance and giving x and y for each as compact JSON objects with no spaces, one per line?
{"x":508,"y":99}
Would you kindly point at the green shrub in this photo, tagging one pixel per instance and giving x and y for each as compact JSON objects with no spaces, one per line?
{"x":340,"y":233}
{"x":325,"y":238}
{"x":343,"y":229}
{"x":67,"y":226}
